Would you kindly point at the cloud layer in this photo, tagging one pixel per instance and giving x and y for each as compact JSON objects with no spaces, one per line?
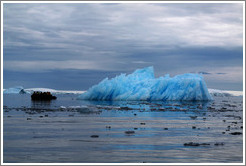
{"x":174,"y":38}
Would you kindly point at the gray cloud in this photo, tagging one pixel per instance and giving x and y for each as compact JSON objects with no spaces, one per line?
{"x":174,"y":38}
{"x":203,"y":72}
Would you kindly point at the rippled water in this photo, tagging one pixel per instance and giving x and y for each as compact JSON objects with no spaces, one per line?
{"x":75,"y":131}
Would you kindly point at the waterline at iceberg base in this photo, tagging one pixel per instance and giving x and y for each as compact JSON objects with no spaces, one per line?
{"x":142,"y":85}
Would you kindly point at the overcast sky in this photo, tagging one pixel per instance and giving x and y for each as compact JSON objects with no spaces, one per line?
{"x":74,"y":46}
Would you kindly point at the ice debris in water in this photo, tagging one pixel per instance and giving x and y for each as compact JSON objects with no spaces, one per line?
{"x":82,"y":109}
{"x":15,"y":90}
{"x":142,"y":85}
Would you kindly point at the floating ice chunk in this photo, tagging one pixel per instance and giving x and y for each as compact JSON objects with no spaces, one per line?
{"x":219,"y":93}
{"x":62,"y":107}
{"x":224,"y":93}
{"x":142,"y":85}
{"x":81,"y":109}
{"x":15,"y":90}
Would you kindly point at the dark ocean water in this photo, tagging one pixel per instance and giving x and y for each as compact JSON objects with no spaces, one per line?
{"x":67,"y":130}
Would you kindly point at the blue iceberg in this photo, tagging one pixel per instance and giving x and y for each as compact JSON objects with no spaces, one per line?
{"x":15,"y":90}
{"x":142,"y":85}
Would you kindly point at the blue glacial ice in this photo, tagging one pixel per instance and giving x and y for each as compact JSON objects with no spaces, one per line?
{"x":142,"y":85}
{"x":15,"y":90}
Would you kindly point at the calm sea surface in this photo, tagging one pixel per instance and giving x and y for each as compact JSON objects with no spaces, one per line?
{"x":67,"y":130}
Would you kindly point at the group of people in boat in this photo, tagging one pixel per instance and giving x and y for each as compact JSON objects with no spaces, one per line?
{"x":37,"y":95}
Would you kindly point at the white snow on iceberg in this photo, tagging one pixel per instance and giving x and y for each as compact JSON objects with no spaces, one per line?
{"x":142,"y":85}
{"x":53,"y":91}
{"x":15,"y":90}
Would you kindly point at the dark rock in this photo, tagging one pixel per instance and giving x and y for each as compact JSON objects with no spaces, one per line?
{"x":165,"y":129}
{"x":108,"y":127}
{"x":46,"y":115}
{"x":196,"y":144}
{"x":191,"y":144}
{"x":94,"y":136}
{"x":235,"y":117}
{"x":135,"y":128}
{"x":129,"y":132}
{"x":223,"y":132}
{"x":219,"y":144}
{"x":28,"y":118}
{"x":142,"y":123}
{"x":193,"y":117}
{"x":229,"y":105}
{"x":236,"y":133}
{"x":193,"y":127}
{"x":41,"y":116}
{"x":241,"y":127}
{"x":224,"y":120}
{"x":125,"y":108}
{"x":135,"y":114}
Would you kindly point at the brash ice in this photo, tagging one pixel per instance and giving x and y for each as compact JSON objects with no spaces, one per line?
{"x":142,"y":85}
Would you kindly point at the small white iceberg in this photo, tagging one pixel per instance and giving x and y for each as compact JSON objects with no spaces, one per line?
{"x":224,"y":93}
{"x":15,"y":90}
{"x":53,"y":91}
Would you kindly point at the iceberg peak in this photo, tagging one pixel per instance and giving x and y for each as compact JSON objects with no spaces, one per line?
{"x":147,"y":72}
{"x":142,"y":85}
